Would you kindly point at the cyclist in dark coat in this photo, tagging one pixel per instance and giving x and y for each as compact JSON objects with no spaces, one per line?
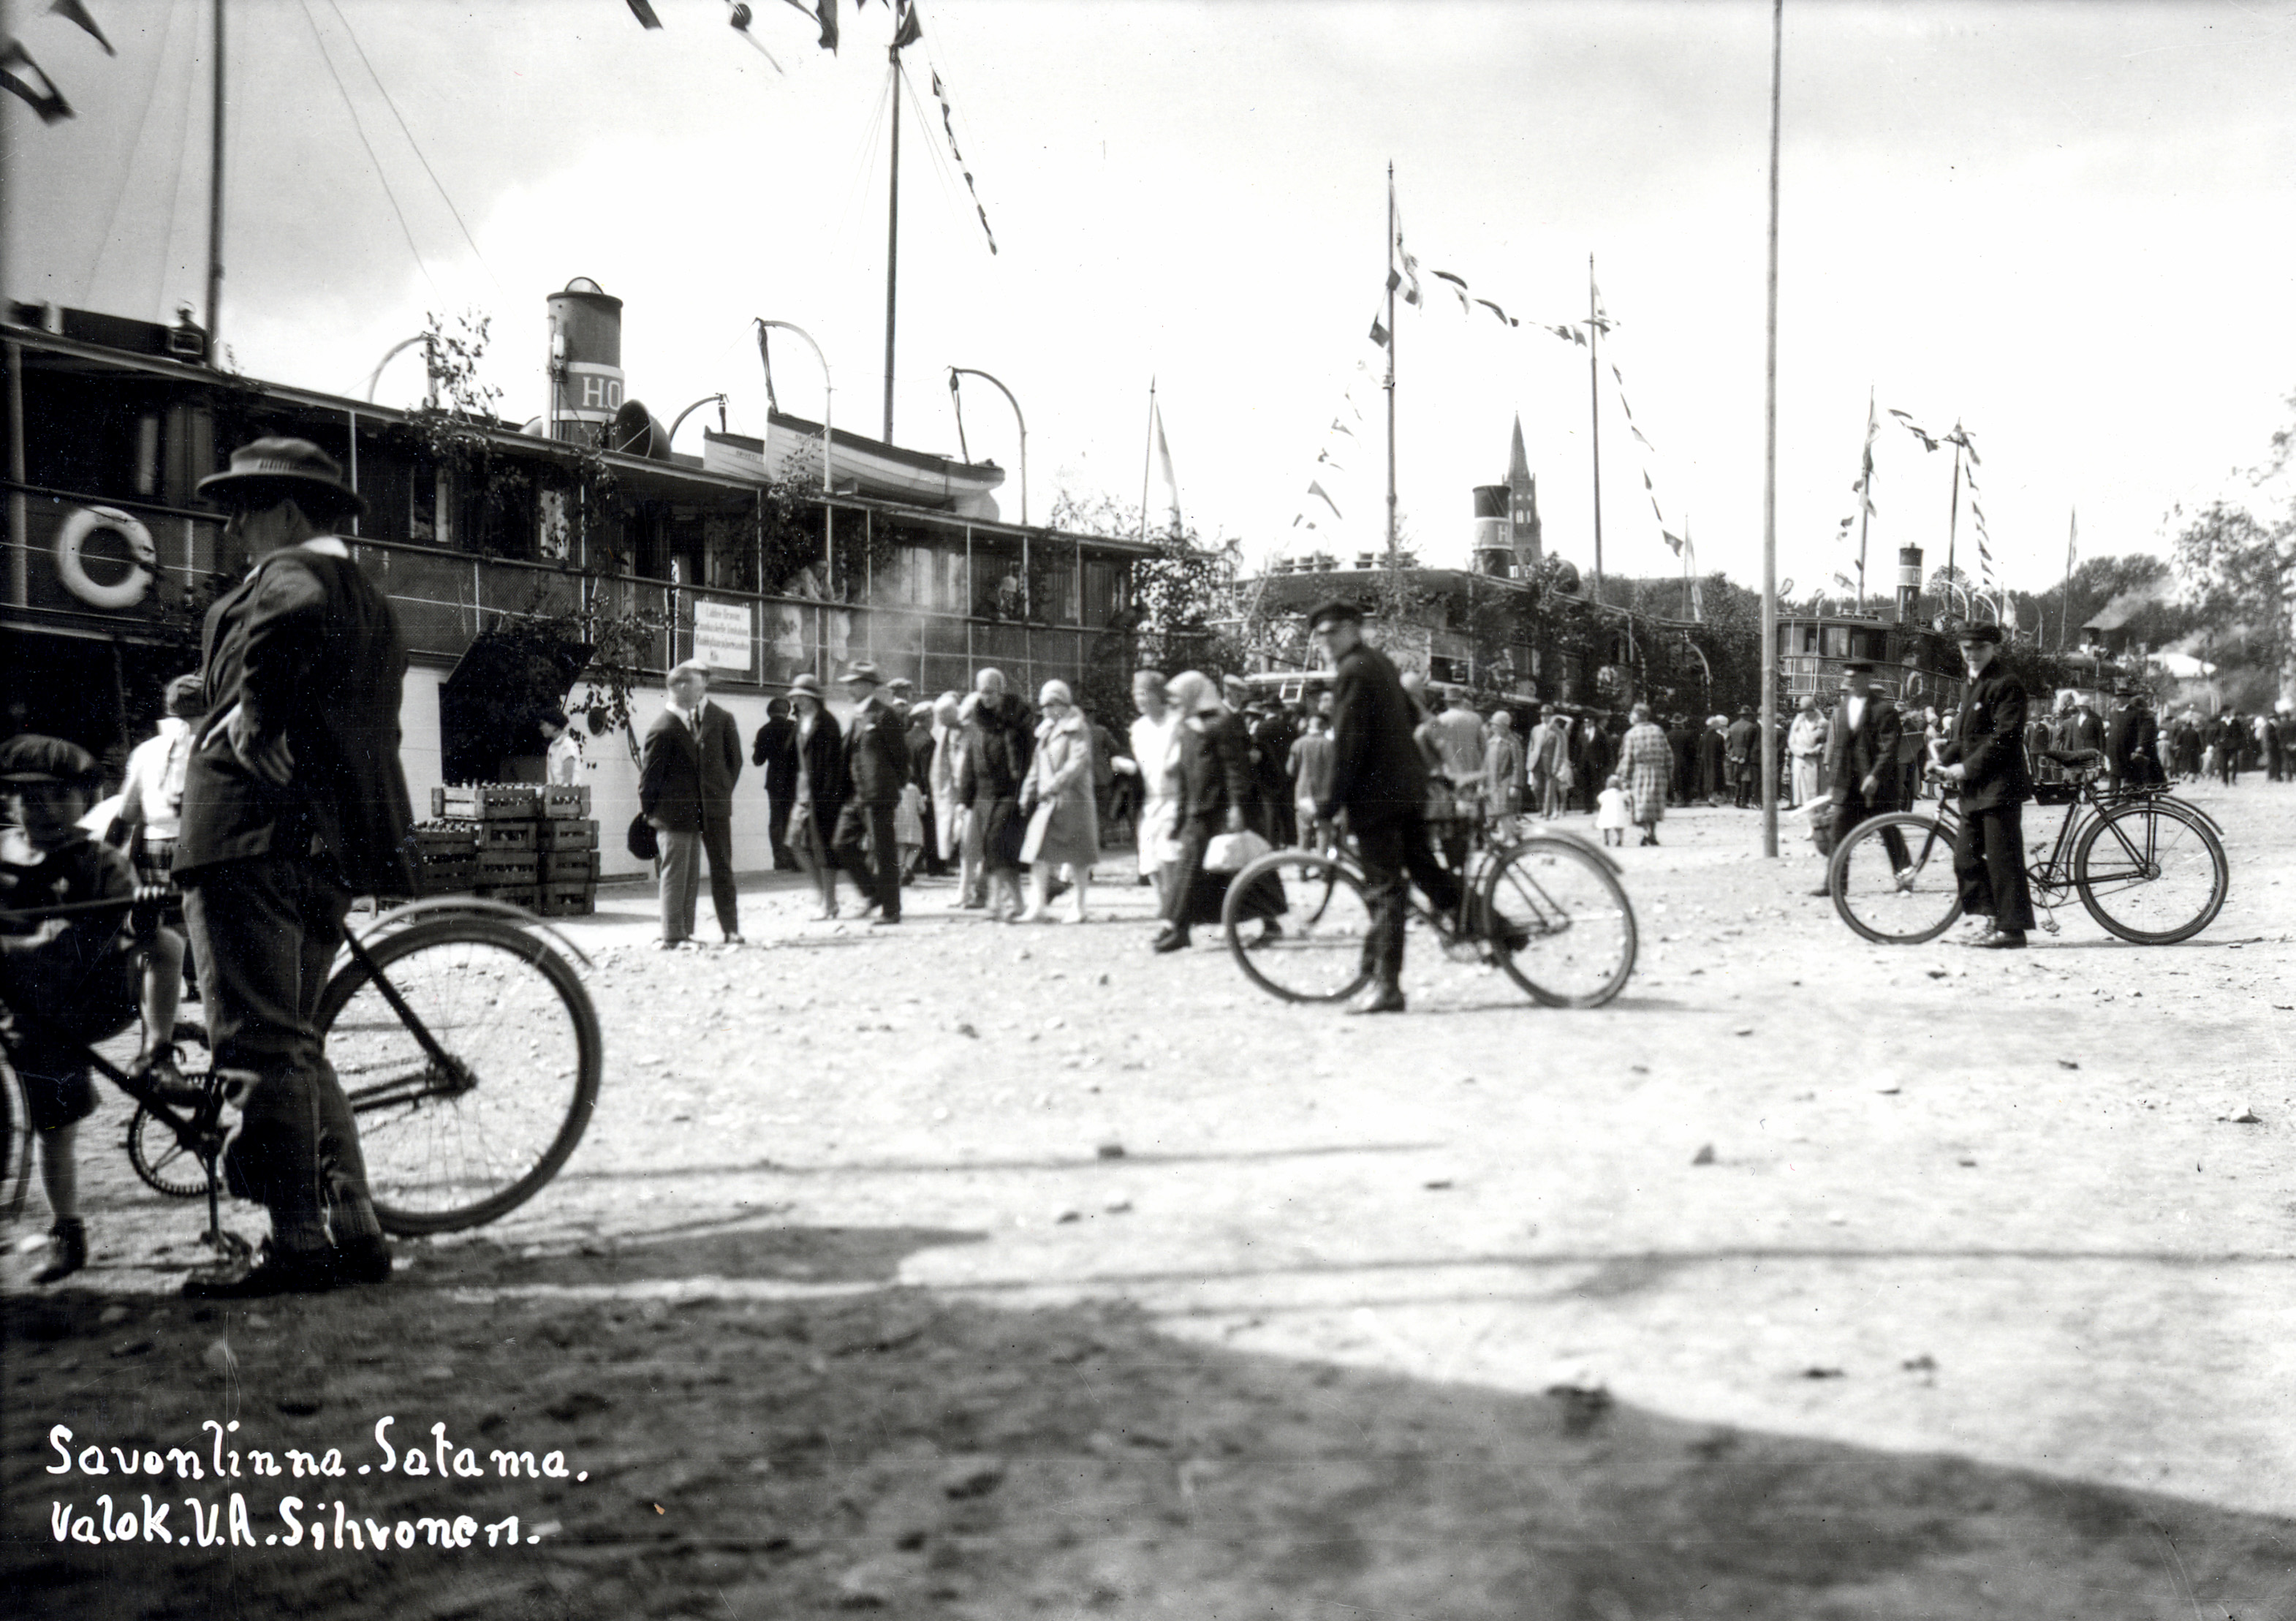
{"x":1985,"y":754}
{"x":1379,"y":781}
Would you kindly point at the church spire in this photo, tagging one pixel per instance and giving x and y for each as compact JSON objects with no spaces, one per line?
{"x":1522,"y":506}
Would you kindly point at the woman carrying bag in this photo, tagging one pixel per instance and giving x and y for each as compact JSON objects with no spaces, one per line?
{"x":1057,"y":798}
{"x":1215,"y":790}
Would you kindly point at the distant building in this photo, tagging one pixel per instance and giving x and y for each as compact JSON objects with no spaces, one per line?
{"x":1524,"y":532}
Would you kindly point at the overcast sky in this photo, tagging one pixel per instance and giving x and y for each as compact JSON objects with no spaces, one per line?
{"x":2072,"y":227}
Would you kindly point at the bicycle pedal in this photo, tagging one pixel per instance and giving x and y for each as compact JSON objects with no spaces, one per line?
{"x":228,"y":1244}
{"x":2049,"y":926}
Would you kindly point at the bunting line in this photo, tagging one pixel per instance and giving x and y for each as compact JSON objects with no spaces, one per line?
{"x":948,"y":124}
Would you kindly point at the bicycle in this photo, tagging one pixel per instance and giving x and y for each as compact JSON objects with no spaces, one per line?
{"x":466,"y":1044}
{"x":1548,"y":910}
{"x":2149,"y":866}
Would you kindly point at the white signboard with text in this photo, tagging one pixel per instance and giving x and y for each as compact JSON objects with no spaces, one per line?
{"x":722,"y":635}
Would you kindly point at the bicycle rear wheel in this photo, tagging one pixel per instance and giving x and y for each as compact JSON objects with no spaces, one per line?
{"x":455,"y":1144}
{"x":1318,"y":957}
{"x":1563,"y":927}
{"x":2153,"y":872}
{"x":15,"y":1144}
{"x":1892,"y":879}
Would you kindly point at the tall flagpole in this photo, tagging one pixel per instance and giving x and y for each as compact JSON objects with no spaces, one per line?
{"x":1953,"y":518}
{"x":215,"y":200}
{"x":1595,"y":414}
{"x":1392,"y":561}
{"x":1865,"y":498}
{"x":2065,"y":603}
{"x":1770,"y":468}
{"x":893,"y":231}
{"x":1147,"y":458}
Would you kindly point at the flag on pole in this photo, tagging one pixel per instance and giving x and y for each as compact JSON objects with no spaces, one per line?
{"x":1410,"y":279}
{"x":73,"y":10}
{"x":43,"y":98}
{"x":1379,"y":334}
{"x":1164,"y":472}
{"x":911,"y":30}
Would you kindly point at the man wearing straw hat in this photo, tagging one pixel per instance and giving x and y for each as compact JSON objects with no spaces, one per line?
{"x":294,"y":800}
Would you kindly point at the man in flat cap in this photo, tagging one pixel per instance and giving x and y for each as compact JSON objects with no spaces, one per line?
{"x":877,"y":768}
{"x":294,"y":800}
{"x":1379,"y":778}
{"x":1985,"y":756}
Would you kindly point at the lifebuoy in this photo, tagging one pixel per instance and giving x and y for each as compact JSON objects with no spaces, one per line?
{"x":127,"y":591}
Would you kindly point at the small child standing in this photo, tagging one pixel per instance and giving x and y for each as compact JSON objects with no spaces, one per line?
{"x":82,"y":975}
{"x":1610,"y":811}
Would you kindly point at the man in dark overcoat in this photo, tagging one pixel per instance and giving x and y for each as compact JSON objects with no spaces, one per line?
{"x":1861,"y":761}
{"x":877,"y":768}
{"x":1742,"y":748}
{"x":2133,"y":755}
{"x":775,"y":748}
{"x":294,"y":800}
{"x":1379,"y":780}
{"x":686,"y":771}
{"x":1985,"y":756}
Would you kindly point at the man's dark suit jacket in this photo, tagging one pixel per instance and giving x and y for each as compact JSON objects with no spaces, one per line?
{"x":876,"y":753}
{"x":1988,"y":738}
{"x":1868,"y":749}
{"x":1378,"y":774}
{"x":307,"y":648}
{"x":775,"y":749}
{"x":670,"y":774}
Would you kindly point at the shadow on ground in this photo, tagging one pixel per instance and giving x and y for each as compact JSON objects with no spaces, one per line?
{"x":891,"y":1451}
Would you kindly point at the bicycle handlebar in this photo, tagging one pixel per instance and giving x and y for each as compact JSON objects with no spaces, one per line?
{"x":143,"y":894}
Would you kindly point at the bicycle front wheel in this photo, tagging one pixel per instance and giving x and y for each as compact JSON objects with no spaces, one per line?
{"x":1318,"y":954}
{"x":1892,"y":879}
{"x":469,"y":1124}
{"x":2153,"y":872}
{"x":1560,"y":922}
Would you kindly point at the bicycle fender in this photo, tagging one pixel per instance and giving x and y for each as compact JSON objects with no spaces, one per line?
{"x":415,"y":911}
{"x":1583,"y":842}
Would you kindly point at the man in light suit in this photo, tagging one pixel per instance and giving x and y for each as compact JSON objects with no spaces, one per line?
{"x":877,"y":768}
{"x":692,"y":759}
{"x":1861,"y":761}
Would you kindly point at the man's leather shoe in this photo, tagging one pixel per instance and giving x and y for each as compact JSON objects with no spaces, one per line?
{"x":1822,"y":889}
{"x":2000,"y":939}
{"x":363,"y":1261}
{"x":275,"y":1272}
{"x":67,"y":1250}
{"x":1170,"y":940}
{"x":882,"y":920}
{"x":1378,"y":998}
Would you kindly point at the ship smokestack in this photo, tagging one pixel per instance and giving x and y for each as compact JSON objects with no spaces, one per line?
{"x":586,"y":361}
{"x":1494,"y":550}
{"x":1909,"y":582}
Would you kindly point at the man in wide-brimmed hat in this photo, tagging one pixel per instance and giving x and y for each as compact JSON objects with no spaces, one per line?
{"x":294,"y":800}
{"x":877,"y":768}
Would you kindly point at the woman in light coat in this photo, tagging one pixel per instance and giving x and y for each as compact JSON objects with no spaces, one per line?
{"x":1057,"y":798}
{"x":948,"y":811}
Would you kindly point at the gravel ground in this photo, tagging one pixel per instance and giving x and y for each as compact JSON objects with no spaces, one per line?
{"x":963,"y":1269}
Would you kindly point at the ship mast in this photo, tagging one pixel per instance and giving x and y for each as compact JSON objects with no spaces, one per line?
{"x":892,"y":229}
{"x":214,"y":196}
{"x":1393,"y":560}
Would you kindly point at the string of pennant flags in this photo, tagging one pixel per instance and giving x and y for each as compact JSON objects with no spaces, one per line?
{"x":25,"y":78}
{"x":1403,"y":279}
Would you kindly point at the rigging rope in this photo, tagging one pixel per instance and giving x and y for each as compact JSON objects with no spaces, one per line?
{"x":382,"y":91}
{"x":182,"y":169}
{"x":396,"y":212}
{"x":127,"y":170}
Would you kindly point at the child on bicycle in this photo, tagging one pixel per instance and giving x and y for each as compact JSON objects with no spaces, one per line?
{"x":83,"y":975}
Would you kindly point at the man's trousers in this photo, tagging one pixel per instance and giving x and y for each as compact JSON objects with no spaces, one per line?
{"x":266,"y":929}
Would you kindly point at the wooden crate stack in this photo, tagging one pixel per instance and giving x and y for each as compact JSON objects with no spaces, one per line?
{"x":446,"y":857}
{"x":536,"y":845}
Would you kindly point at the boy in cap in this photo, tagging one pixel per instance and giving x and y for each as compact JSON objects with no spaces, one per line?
{"x":76,"y":975}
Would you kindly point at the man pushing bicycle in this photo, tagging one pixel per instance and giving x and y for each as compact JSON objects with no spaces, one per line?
{"x":294,"y":800}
